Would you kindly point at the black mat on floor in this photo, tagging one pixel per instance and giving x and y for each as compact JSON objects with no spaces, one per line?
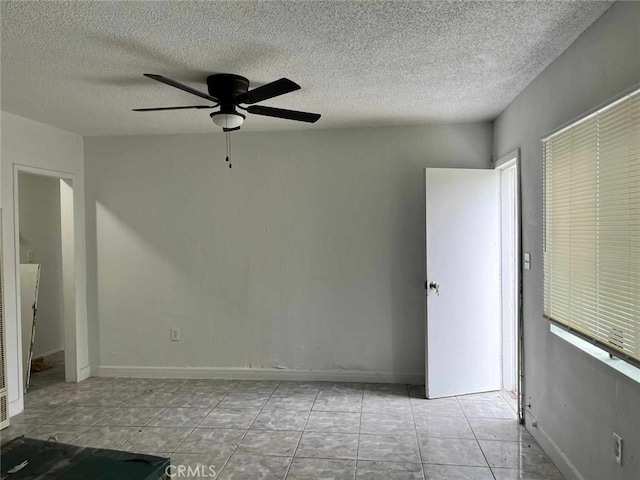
{"x":52,"y":460}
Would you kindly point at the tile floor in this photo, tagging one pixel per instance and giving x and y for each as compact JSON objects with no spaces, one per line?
{"x":291,"y":430}
{"x":49,"y":377}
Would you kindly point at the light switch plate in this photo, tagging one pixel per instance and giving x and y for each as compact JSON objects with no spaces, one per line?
{"x":527,"y":261}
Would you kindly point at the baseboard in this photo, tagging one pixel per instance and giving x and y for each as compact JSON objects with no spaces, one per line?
{"x":84,"y":373}
{"x":260,"y":374}
{"x":557,"y":456}
{"x":16,"y":406}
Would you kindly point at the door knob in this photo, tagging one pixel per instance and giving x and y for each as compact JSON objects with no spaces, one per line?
{"x":436,"y":287}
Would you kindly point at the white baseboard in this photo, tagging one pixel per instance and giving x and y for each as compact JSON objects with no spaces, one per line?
{"x":16,"y":406}
{"x":260,"y":374}
{"x":84,"y":373}
{"x":551,"y":448}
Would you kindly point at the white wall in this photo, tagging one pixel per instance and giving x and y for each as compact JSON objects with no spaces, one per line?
{"x":307,"y":256}
{"x":27,"y":144}
{"x":40,"y":234}
{"x":577,"y":400}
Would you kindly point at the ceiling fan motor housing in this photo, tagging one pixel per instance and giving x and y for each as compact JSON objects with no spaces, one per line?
{"x":226,"y":86}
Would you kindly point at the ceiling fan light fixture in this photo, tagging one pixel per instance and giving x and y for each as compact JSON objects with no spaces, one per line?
{"x":228,"y":120}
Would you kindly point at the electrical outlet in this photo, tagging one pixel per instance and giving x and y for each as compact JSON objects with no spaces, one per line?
{"x":617,"y":448}
{"x":29,"y":256}
{"x":175,"y":334}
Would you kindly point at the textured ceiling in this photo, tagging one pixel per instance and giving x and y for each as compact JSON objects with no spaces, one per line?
{"x":78,"y":65}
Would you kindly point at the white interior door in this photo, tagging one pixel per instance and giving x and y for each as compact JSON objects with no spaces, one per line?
{"x":463,"y":353}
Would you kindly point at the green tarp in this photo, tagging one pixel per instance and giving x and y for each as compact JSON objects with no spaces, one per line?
{"x":52,"y":460}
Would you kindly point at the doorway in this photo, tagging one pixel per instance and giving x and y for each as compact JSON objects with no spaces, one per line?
{"x":45,"y":277}
{"x":473,"y":329}
{"x":508,"y":167}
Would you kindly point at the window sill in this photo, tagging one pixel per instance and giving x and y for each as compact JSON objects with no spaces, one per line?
{"x":620,"y":365}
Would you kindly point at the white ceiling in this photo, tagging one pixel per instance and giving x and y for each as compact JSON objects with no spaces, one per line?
{"x":78,"y":65}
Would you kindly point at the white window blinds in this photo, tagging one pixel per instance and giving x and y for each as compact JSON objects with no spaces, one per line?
{"x":592,"y":227}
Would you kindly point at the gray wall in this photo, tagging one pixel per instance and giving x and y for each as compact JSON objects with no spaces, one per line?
{"x":40,"y":233}
{"x":308,"y":255}
{"x":577,"y":400}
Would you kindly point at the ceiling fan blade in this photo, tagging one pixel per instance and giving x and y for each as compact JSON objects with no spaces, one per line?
{"x":282,"y":113}
{"x":172,"y":108}
{"x":181,"y":86}
{"x":265,"y":92}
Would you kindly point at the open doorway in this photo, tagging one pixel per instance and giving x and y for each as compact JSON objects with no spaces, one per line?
{"x":46,"y":271}
{"x":473,"y":327}
{"x":510,"y":278}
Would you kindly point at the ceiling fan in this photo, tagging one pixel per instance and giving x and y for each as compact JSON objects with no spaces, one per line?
{"x":230,"y":92}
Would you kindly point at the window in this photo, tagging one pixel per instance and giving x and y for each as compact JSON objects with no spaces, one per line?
{"x":592,"y":227}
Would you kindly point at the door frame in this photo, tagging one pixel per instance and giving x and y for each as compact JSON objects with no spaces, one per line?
{"x":506,"y":163}
{"x":72,"y":341}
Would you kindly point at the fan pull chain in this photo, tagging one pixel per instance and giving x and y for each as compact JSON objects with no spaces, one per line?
{"x":229,"y":148}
